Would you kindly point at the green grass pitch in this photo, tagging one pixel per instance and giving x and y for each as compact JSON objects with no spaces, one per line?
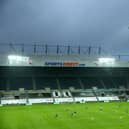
{"x":66,"y":116}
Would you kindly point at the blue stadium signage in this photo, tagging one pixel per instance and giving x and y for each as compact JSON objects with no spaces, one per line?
{"x":64,"y":64}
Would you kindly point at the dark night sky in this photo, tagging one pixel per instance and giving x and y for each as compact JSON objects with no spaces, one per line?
{"x":73,"y":22}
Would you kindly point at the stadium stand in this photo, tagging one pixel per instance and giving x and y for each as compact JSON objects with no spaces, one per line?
{"x":108,"y":82}
{"x":61,"y":78}
{"x":46,"y":82}
{"x":3,"y":83}
{"x":90,"y":82}
{"x":67,"y":82}
{"x":20,"y":82}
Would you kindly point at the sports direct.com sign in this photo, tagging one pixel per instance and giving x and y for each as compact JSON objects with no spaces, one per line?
{"x":64,"y":64}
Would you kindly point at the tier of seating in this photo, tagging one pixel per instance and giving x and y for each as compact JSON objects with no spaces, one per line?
{"x":38,"y":83}
{"x":36,"y":78}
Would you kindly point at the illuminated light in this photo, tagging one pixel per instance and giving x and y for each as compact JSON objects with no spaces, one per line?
{"x":16,"y":59}
{"x":106,"y":61}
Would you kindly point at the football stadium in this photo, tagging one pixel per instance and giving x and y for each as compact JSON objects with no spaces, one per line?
{"x":62,"y":87}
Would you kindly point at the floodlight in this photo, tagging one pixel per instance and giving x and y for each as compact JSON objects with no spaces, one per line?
{"x":16,"y":59}
{"x":106,"y":61}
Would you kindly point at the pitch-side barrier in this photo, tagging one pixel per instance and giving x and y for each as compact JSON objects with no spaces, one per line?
{"x":58,"y":100}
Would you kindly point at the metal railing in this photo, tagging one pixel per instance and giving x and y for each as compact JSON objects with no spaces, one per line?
{"x":44,"y":49}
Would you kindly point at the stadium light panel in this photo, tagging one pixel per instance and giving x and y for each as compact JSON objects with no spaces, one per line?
{"x":107,"y":61}
{"x":16,"y":59}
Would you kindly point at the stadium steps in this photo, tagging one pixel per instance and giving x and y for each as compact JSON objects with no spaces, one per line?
{"x":95,"y":94}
